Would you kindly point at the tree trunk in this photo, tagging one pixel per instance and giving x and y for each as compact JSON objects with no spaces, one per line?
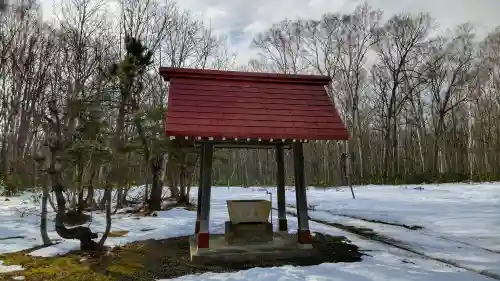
{"x":51,"y":202}
{"x":156,"y":191}
{"x":172,"y":178}
{"x":387,"y":154}
{"x":146,"y":191}
{"x":119,"y":198}
{"x":43,"y":217}
{"x":102,"y":203}
{"x":90,"y":191}
{"x":43,"y":214}
{"x":125,"y":194}
{"x":107,"y":195}
{"x":184,"y":194}
{"x":470,"y":142}
{"x":81,"y":204}
{"x":394,"y":147}
{"x":156,"y":185}
{"x":84,"y":234}
{"x":436,"y":163}
{"x":188,"y":199}
{"x":182,"y":185}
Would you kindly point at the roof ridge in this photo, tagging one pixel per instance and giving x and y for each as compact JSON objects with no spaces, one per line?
{"x":191,"y":73}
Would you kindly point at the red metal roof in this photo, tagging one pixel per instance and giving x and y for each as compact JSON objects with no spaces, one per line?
{"x":230,"y":104}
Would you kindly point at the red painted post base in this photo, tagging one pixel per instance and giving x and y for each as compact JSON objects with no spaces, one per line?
{"x":203,"y":240}
{"x":304,"y":237}
{"x":197,"y":227}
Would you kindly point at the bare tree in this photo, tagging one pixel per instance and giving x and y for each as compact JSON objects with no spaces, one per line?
{"x":189,"y":43}
{"x":398,"y":42}
{"x":357,"y":36}
{"x":281,"y":46}
{"x":448,"y":77}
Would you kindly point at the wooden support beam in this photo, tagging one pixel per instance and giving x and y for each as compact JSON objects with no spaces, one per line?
{"x":280,"y":181}
{"x":200,"y":189}
{"x":234,"y":142}
{"x":303,"y":233}
{"x":204,"y":235}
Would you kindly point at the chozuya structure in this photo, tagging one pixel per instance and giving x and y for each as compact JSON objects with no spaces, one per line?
{"x":226,"y":109}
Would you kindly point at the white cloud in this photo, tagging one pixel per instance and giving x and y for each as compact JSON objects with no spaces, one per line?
{"x":215,"y":12}
{"x":242,"y":19}
{"x":246,"y":18}
{"x":255,"y":27}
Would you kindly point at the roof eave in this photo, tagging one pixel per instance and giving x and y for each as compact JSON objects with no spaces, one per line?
{"x":189,"y":73}
{"x":337,"y":136}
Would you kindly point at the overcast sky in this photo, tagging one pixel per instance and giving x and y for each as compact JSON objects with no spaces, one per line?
{"x":242,"y":19}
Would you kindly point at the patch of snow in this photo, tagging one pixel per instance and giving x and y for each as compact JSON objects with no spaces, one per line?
{"x":168,"y":224}
{"x":57,"y":249}
{"x":383,"y":267}
{"x":18,"y":278}
{"x":9,"y":268}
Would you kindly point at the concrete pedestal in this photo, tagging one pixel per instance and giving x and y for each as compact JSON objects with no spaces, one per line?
{"x":244,"y":233}
{"x":282,"y":247}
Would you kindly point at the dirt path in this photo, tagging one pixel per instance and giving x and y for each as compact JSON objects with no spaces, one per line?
{"x":413,"y":227}
{"x":409,"y":227}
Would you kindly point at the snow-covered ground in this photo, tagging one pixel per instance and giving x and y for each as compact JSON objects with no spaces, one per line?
{"x":460,"y":224}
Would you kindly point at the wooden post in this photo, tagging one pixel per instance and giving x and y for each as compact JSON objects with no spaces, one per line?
{"x":303,"y":233}
{"x":206,"y":185}
{"x":200,"y":189}
{"x":280,"y":181}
